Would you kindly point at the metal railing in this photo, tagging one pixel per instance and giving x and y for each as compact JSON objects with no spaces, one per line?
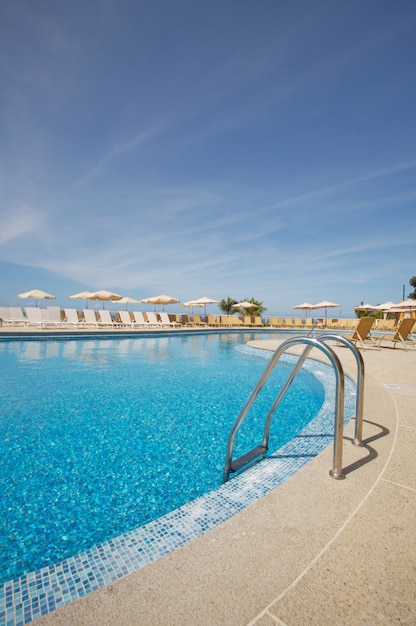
{"x":232,"y":466}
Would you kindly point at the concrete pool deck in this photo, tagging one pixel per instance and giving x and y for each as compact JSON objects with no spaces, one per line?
{"x":313,"y":551}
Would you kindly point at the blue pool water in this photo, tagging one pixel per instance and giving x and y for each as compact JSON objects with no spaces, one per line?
{"x":98,"y":437}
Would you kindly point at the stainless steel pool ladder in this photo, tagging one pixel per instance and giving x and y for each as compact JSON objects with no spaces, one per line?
{"x":259,"y":452}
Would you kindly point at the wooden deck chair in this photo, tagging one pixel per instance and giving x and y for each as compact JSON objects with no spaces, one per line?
{"x":212,"y":320}
{"x":402,"y":335}
{"x":362,"y":332}
{"x":198,"y":321}
{"x":275,"y":322}
{"x":248,"y":320}
{"x":257,"y":321}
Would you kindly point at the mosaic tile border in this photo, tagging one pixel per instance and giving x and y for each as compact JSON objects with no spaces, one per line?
{"x":25,"y":599}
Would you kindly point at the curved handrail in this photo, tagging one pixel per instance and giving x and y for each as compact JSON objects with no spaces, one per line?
{"x":359,"y":405}
{"x":310,"y":343}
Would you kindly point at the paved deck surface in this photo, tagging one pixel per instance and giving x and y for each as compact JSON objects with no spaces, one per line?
{"x":315,"y":551}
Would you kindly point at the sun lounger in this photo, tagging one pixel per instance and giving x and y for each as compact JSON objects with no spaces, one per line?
{"x":34,"y":315}
{"x":152,"y":319}
{"x":5,"y":315}
{"x":198,"y":322}
{"x":105,"y":318}
{"x":71,"y":317}
{"x":17,"y":317}
{"x":185,"y":319}
{"x":212,"y":320}
{"x":139,"y":320}
{"x":53,"y":316}
{"x":257,"y":321}
{"x":164,"y":318}
{"x":362,"y":332}
{"x":275,"y":322}
{"x":386,"y":324}
{"x":90,"y":317}
{"x":402,"y":335}
{"x":123,"y":319}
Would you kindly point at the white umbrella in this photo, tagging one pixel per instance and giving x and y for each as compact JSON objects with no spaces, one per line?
{"x":162,"y":299}
{"x":37,"y":294}
{"x":366,"y":307}
{"x":245,"y":304}
{"x":104,"y":296}
{"x":192,"y":304}
{"x":325,"y":304}
{"x":386,"y":306}
{"x":81,"y":295}
{"x":126,"y":300}
{"x":305,"y":306}
{"x":203,"y":302}
{"x":406,"y":304}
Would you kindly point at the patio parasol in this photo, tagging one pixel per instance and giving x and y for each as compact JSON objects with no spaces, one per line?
{"x":37,"y":294}
{"x":203,"y":302}
{"x":245,"y":304}
{"x":126,"y":300}
{"x":160,"y":300}
{"x":325,"y":304}
{"x":366,"y":307}
{"x":305,"y":306}
{"x":405,"y":306}
{"x":191,"y":304}
{"x":104,"y":296}
{"x":81,"y":295}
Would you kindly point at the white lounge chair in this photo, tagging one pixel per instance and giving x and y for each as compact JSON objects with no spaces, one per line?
{"x":152,"y":319}
{"x":125,"y":319}
{"x":139,"y":319}
{"x":17,"y":317}
{"x":71,"y":317}
{"x":5,"y":316}
{"x":53,"y":316}
{"x":34,"y":315}
{"x":105,"y":318}
{"x":164,"y":318}
{"x":90,"y":318}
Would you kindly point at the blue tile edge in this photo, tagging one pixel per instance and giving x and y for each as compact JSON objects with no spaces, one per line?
{"x":27,"y":598}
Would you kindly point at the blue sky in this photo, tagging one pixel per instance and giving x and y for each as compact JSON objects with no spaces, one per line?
{"x":236,"y":148}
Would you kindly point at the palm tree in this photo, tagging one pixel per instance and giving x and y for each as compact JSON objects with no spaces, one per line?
{"x":227,"y":306}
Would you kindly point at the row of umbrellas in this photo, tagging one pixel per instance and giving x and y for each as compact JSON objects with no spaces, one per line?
{"x":109,"y":296}
{"x":389,"y":307}
{"x":325,"y":304}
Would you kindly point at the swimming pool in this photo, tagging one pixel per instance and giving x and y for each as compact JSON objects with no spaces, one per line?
{"x":95,"y":457}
